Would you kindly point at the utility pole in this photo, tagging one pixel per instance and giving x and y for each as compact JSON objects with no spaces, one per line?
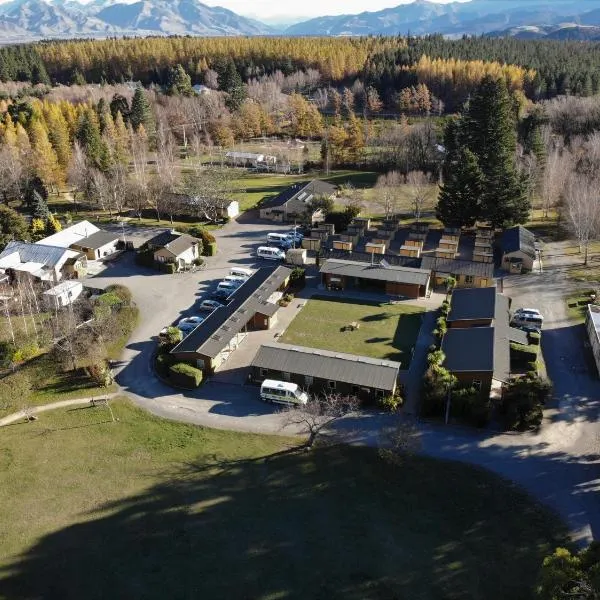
{"x":448,"y":401}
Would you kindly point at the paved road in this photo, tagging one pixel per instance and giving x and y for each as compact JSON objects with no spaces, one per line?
{"x":559,"y":465}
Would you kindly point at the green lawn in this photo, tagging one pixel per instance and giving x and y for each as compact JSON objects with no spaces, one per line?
{"x":387,"y":331}
{"x":577,"y":305}
{"x":145,"y":508}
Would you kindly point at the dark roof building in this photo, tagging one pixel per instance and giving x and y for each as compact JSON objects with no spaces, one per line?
{"x":481,"y":350}
{"x":337,"y":367}
{"x":225,"y":323}
{"x":173,"y":242}
{"x":380,"y":271}
{"x":97,"y":240}
{"x":294,"y":200}
{"x":473,"y":304}
{"x":452,"y":266}
{"x":518,"y":239}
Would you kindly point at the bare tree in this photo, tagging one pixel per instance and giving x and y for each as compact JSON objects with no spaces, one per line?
{"x":583,"y":211}
{"x":11,"y":173}
{"x":386,"y":192}
{"x":420,"y":191}
{"x":79,"y":172}
{"x":209,"y":192}
{"x":400,"y":441}
{"x":559,"y":166}
{"x":318,"y":414}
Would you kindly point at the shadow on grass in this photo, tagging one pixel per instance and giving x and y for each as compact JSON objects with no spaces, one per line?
{"x":378,"y":317}
{"x":256,"y":529}
{"x":377,"y":340}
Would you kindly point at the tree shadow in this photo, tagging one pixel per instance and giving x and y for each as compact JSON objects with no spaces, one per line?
{"x":256,"y":528}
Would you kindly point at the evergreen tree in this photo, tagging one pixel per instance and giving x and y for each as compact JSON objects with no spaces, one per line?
{"x":141,"y":113}
{"x":13,"y":226}
{"x":88,"y":135}
{"x":39,"y":207}
{"x":231,"y":83}
{"x":179,"y":82}
{"x":488,"y":130}
{"x":52,"y":225}
{"x":459,"y":200}
{"x":119,"y":104}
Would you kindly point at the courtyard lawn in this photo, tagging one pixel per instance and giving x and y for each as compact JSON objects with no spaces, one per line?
{"x":387,"y":331}
{"x":577,"y":305}
{"x":146,"y":508}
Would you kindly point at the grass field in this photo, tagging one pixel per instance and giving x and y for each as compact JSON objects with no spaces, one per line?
{"x":387,"y":331}
{"x":577,"y":305}
{"x":145,"y":508}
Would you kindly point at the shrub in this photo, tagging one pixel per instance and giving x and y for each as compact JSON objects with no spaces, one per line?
{"x":210,"y":249}
{"x":185,"y":375}
{"x":198,"y":262}
{"x":445,"y":308}
{"x":171,"y":338}
{"x":163,"y":363}
{"x":523,"y":400}
{"x":521,"y":356}
{"x":534,"y":339}
{"x":100,"y":374}
{"x":168,"y":268}
{"x":298,"y":278}
{"x":145,"y":258}
{"x":121,"y":291}
{"x":25,"y":352}
{"x":390,"y":403}
{"x":109,"y":299}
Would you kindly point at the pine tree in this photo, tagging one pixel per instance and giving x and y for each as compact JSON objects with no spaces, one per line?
{"x":52,"y":225}
{"x":231,"y":83}
{"x":141,"y":113}
{"x":39,"y":207}
{"x":88,"y":135}
{"x":460,"y":195}
{"x":13,"y":226}
{"x":119,"y":104}
{"x":179,"y":82}
{"x":488,"y":130}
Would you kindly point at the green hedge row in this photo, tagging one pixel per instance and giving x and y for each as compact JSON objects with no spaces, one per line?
{"x":185,"y":375}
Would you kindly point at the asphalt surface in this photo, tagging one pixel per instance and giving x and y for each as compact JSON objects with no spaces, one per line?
{"x":558,"y":465}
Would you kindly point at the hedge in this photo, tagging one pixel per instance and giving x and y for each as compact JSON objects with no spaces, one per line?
{"x":534,"y":339}
{"x":120,"y":290}
{"x":185,"y":375}
{"x":209,"y":249}
{"x":523,"y":355}
{"x":163,"y":364}
{"x":169,"y":268}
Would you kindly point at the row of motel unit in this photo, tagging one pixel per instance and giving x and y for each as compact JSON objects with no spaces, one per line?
{"x":252,"y":307}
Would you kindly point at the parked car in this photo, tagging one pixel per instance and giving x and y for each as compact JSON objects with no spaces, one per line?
{"x":210,"y":305}
{"x":296,"y":236}
{"x":225,"y":289}
{"x":195,"y":320}
{"x":235,"y":280}
{"x":532,"y":311}
{"x":187,"y":328}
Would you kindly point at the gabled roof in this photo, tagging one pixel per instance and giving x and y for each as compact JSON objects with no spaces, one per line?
{"x":349,"y":268}
{"x":176,"y":243}
{"x":17,"y":253}
{"x":70,"y":235}
{"x":334,"y":366}
{"x":97,"y":240}
{"x":223,"y":324}
{"x":468,"y":304}
{"x":481,"y":349}
{"x":458,"y":267}
{"x":518,"y":239}
{"x":298,"y":195}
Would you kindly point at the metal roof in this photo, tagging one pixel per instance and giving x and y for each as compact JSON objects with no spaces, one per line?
{"x":472,"y":303}
{"x":518,"y":239}
{"x":454,"y":266}
{"x":70,"y":235}
{"x":349,"y":268}
{"x":223,"y":324}
{"x":334,"y":366}
{"x":63,"y":287}
{"x":294,"y":192}
{"x":25,"y":252}
{"x":97,"y":240}
{"x":481,"y":349}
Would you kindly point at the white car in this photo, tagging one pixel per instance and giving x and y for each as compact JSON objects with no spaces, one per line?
{"x":241,"y":272}
{"x":210,"y":305}
{"x":528,"y":311}
{"x":235,"y":280}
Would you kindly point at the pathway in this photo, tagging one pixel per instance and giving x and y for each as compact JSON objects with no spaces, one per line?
{"x":35,"y":410}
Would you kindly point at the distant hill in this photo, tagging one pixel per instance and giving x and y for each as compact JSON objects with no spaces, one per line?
{"x":31,"y":19}
{"x":477,"y":17}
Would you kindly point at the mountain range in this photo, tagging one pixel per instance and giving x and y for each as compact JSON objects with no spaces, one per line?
{"x":22,"y":20}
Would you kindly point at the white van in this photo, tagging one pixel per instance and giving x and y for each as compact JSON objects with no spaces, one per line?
{"x":270,"y":253}
{"x":241,"y":272}
{"x":528,"y":320}
{"x":282,"y":392}
{"x":281,"y":239}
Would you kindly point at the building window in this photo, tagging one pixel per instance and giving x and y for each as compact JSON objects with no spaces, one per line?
{"x":331,"y":385}
{"x":200,"y":363}
{"x":477,"y":384}
{"x":308,"y":380}
{"x":264,"y":372}
{"x":469,"y":279}
{"x":285,"y":375}
{"x":379,"y":393}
